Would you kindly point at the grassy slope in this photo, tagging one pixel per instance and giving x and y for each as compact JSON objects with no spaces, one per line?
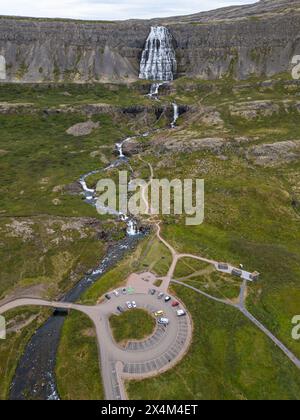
{"x":249,"y":219}
{"x":71,"y":94}
{"x":12,"y":348}
{"x":54,"y":262}
{"x":35,"y":169}
{"x":249,"y":216}
{"x":132,"y":325}
{"x":36,"y":162}
{"x":156,"y":258}
{"x":78,"y":349}
{"x":205,"y":277}
{"x":229,"y":359}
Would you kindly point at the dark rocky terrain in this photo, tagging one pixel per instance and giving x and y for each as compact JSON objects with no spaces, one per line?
{"x":258,"y":39}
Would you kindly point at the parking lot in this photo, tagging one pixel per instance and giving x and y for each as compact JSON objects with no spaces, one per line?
{"x":163,"y":347}
{"x":154,"y":365}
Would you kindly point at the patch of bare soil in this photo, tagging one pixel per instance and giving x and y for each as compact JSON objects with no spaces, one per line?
{"x":89,"y":332}
{"x":18,"y":326}
{"x":36,"y":291}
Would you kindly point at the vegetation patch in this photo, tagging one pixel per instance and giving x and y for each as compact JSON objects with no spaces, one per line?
{"x":135,"y":324}
{"x":77,"y":367}
{"x":21,"y":325}
{"x":230,"y":359}
{"x":156,"y":258}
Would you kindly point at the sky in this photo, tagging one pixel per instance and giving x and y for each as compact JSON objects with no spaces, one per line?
{"x":110,"y":9}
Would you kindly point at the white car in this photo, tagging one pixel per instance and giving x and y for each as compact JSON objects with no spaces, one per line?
{"x":116,"y":293}
{"x":163,"y":321}
{"x":129,"y":305}
{"x":133,"y":304}
{"x":181,"y":312}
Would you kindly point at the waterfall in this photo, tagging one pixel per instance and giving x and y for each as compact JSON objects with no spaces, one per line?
{"x":89,"y":192}
{"x":119,"y":147}
{"x":154,"y":89}
{"x":176,"y":115}
{"x":132,"y":229}
{"x":158,"y":59}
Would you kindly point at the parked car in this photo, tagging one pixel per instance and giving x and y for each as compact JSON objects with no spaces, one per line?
{"x":152,"y":292}
{"x":167,"y":299}
{"x":160,"y":295}
{"x":129,"y":305}
{"x":181,"y":312}
{"x":175,"y":304}
{"x":116,"y":293}
{"x":158,"y":313}
{"x":124,"y":291}
{"x":134,"y":305}
{"x":120,"y":309}
{"x":163,"y":321}
{"x":108,"y":297}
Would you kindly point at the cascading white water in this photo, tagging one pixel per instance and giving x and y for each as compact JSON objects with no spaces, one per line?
{"x":132,"y":229}
{"x":158,"y":59}
{"x":175,"y":115}
{"x":119,"y":147}
{"x":154,"y":90}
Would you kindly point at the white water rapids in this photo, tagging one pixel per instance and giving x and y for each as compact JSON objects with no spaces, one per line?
{"x":154,"y":90}
{"x":91,"y":194}
{"x":175,"y":115}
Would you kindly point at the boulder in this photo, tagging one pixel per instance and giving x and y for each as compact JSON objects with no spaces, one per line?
{"x":83,"y":129}
{"x":133,"y":147}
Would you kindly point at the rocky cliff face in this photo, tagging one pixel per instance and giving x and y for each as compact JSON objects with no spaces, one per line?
{"x":259,"y":39}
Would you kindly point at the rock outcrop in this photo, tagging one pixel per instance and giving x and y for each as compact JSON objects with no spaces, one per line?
{"x":239,"y":41}
{"x":82,"y":129}
{"x":213,"y":145}
{"x":133,"y":147}
{"x":16,"y":108}
{"x":274,"y":154}
{"x":255,"y":109}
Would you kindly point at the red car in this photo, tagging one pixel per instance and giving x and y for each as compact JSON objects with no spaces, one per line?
{"x":175,"y":304}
